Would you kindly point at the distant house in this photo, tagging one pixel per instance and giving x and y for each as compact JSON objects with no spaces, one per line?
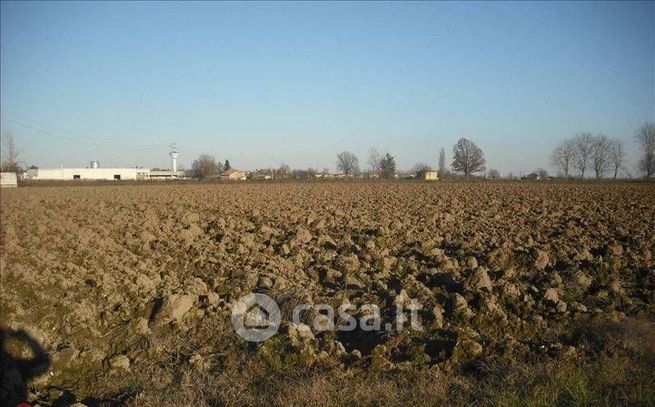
{"x":233,"y":175}
{"x":533,"y":176}
{"x":427,"y":175}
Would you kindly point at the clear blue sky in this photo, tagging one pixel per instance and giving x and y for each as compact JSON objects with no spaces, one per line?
{"x":263,"y":83}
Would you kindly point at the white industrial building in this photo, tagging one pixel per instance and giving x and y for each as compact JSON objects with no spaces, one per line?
{"x":97,"y":173}
{"x":64,"y":174}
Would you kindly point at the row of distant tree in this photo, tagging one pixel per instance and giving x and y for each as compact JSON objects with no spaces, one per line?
{"x":206,"y":166}
{"x":587,"y":151}
{"x":468,"y":159}
{"x":578,"y":155}
{"x":603,"y":155}
{"x":382,"y":165}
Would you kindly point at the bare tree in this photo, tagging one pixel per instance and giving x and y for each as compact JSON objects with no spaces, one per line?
{"x":600,"y":155}
{"x":388,"y":166}
{"x":562,"y":157}
{"x":584,"y":146}
{"x":493,"y":174}
{"x":421,"y":167}
{"x":205,"y":166}
{"x":9,"y":153}
{"x":282,"y":172}
{"x":617,"y":155}
{"x":348,"y":163}
{"x":541,"y":173}
{"x":309,"y":173}
{"x":467,"y":157}
{"x":374,"y":158}
{"x":646,"y":140}
{"x":442,"y":162}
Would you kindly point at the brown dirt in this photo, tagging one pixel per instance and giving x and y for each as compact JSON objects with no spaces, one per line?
{"x":129,"y":288}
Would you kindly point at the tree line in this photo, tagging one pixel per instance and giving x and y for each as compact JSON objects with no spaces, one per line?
{"x":585,"y":151}
{"x":578,"y":155}
{"x":382,"y":165}
{"x":206,"y":166}
{"x":598,"y":153}
{"x":468,"y":159}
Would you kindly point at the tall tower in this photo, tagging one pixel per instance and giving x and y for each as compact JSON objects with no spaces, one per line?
{"x":173,"y":155}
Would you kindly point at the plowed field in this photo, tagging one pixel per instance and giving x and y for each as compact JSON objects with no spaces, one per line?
{"x":521,"y":290}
